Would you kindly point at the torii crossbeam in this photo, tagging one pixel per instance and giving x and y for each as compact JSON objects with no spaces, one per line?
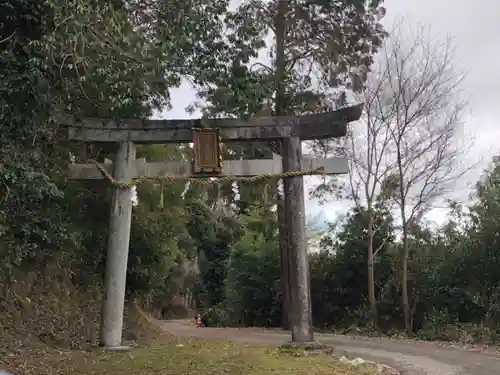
{"x":306,"y":127}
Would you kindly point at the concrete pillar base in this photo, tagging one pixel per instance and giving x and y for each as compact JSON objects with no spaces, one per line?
{"x":121,"y":348}
{"x":312,"y":346}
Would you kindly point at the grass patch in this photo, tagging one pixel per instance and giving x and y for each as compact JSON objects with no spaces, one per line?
{"x":193,"y":357}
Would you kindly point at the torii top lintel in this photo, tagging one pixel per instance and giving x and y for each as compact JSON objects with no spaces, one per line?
{"x":331,"y":124}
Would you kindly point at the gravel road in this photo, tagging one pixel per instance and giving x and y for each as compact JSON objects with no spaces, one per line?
{"x":412,"y":358}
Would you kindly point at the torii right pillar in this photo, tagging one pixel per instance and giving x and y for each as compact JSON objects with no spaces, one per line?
{"x":300,"y":313}
{"x":300,"y":309}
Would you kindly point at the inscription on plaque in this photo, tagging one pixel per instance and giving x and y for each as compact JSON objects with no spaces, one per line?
{"x":207,"y":155}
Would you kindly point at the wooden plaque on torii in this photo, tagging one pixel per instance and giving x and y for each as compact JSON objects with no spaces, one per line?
{"x":207,"y":158}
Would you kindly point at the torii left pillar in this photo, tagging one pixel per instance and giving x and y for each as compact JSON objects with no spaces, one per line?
{"x":117,"y":251}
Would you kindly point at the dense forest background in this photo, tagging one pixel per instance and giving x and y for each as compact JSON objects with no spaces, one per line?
{"x":382,"y":267}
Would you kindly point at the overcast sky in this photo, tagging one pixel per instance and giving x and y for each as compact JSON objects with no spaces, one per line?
{"x":476,"y":30}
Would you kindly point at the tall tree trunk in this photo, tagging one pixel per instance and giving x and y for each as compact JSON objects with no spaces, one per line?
{"x":404,"y":281}
{"x":280,"y":110}
{"x":371,"y":268}
{"x":404,"y":264}
{"x":284,"y":274}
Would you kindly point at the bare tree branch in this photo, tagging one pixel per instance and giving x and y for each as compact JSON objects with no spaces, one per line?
{"x":421,"y":106}
{"x":381,"y":246}
{"x":7,"y":38}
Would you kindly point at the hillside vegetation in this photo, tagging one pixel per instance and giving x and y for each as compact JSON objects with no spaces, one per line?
{"x":50,"y":325}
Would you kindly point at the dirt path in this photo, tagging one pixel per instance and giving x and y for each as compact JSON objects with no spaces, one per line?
{"x":411,"y":358}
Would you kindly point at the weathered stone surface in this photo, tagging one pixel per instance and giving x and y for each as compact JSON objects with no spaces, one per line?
{"x":331,"y":124}
{"x":307,"y":346}
{"x":332,"y":166}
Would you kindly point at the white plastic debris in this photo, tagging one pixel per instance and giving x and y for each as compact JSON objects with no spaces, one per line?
{"x":386,"y":370}
{"x":355,"y":362}
{"x":358,"y":361}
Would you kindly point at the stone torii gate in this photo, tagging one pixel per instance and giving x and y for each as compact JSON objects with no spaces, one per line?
{"x":206,"y":134}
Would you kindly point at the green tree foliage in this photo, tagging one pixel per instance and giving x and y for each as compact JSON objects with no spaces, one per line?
{"x":339,"y":271}
{"x":252,"y":286}
{"x":478,"y":254}
{"x":26,"y":191}
{"x":335,"y":40}
{"x":108,"y":59}
{"x":214,"y":235}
